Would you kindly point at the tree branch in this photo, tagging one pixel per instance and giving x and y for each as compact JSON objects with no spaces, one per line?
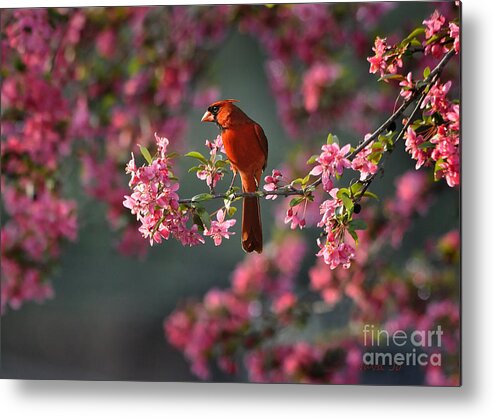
{"x":289,"y":190}
{"x":436,"y":71}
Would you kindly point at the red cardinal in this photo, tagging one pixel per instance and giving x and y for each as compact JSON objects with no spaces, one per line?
{"x":246,"y":147}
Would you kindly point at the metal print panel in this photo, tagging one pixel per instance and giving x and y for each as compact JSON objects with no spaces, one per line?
{"x":234,"y":193}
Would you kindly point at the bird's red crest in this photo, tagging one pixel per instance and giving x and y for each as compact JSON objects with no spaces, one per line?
{"x":221,"y":102}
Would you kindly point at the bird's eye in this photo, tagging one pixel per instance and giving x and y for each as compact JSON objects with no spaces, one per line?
{"x":214,"y":109}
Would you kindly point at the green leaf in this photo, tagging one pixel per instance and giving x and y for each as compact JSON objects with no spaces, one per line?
{"x":204,"y":216}
{"x":434,"y":38}
{"x":413,"y":34}
{"x":197,"y":221}
{"x":426,"y":145}
{"x":426,"y":72}
{"x":375,"y":157}
{"x":399,"y":77}
{"x":341,"y":192}
{"x":172,"y":155}
{"x":202,"y":197}
{"x":296,"y":201}
{"x":195,"y":168}
{"x":197,"y":155}
{"x":355,"y":188}
{"x":313,"y":159}
{"x":221,"y":164}
{"x":353,"y":233}
{"x":370,"y":194}
{"x":331,"y":139}
{"x":231,"y":211}
{"x":358,"y":224}
{"x":348,"y":203}
{"x":438,"y":166}
{"x":146,"y":154}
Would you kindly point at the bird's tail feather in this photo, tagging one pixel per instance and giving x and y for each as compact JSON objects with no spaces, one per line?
{"x":251,"y":226}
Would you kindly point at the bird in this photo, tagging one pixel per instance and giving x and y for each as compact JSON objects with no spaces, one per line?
{"x":246,"y":147}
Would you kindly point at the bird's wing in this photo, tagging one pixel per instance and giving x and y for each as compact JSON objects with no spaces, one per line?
{"x":262,"y":140}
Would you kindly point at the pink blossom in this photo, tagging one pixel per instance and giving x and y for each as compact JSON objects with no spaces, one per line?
{"x":332,"y":161}
{"x":326,"y":282}
{"x":30,"y":34}
{"x":453,"y":116}
{"x":381,"y":62}
{"x":219,"y":229}
{"x":216,"y":145}
{"x":436,"y":100}
{"x":450,"y":242}
{"x":249,"y":276}
{"x":362,"y":164}
{"x":407,"y":87}
{"x":105,"y":43}
{"x":413,"y":142}
{"x":315,"y":80}
{"x":433,"y":24}
{"x":328,"y":207}
{"x":454,"y":33}
{"x":410,"y":188}
{"x":446,"y":154}
{"x":210,"y":176}
{"x":209,"y":172}
{"x":162,"y":145}
{"x":377,"y":62}
{"x":411,"y":197}
{"x":295,"y":218}
{"x":300,"y":358}
{"x":154,"y":200}
{"x":335,"y":255}
{"x":284,"y":303}
{"x":271,"y":183}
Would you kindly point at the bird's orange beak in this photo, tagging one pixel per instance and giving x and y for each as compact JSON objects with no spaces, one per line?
{"x":208,"y":117}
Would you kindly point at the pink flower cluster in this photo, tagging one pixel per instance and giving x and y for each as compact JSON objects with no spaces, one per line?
{"x":272,"y":183}
{"x":154,"y":200}
{"x":210,"y":172}
{"x":442,"y":147}
{"x":122,"y":107}
{"x":331,"y":162}
{"x":386,"y":60}
{"x":304,"y":44}
{"x":296,"y":216}
{"x":37,"y":133}
{"x":334,"y":250}
{"x":220,"y":228}
{"x":316,"y":79}
{"x":35,"y":228}
{"x":442,"y":34}
{"x":411,"y":198}
{"x":30,"y":34}
{"x":363,"y":164}
{"x":306,"y":363}
{"x":229,"y":321}
{"x":407,"y":86}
